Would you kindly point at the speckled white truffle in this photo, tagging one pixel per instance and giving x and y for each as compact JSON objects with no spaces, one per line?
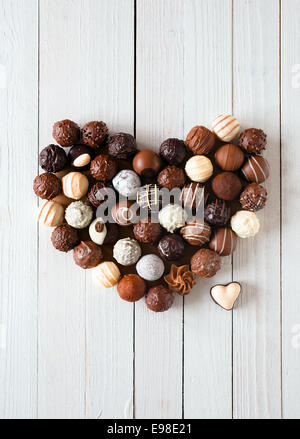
{"x":127,"y":183}
{"x":150,"y":267}
{"x":79,"y":215}
{"x":127,"y":251}
{"x":172,"y":217}
{"x":245,"y":224}
{"x":98,"y":231}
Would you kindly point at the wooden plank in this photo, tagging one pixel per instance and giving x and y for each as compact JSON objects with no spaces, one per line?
{"x":18,"y":235}
{"x":256,"y":319}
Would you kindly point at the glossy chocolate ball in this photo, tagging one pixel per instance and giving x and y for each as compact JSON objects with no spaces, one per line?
{"x":253,"y":197}
{"x":193,"y":195}
{"x":146,"y":231}
{"x":253,"y":141}
{"x":229,"y":157}
{"x":131,"y":288}
{"x":171,"y":177}
{"x":227,"y":186}
{"x":200,"y":140}
{"x":53,"y":159}
{"x":87,"y":255}
{"x":103,"y":167}
{"x":80,"y":157}
{"x":256,"y":169}
{"x":94,"y":133}
{"x":217,"y":213}
{"x":99,"y":193}
{"x":171,"y":247}
{"x":223,"y":241}
{"x":159,"y":299}
{"x":147,"y":163}
{"x":122,"y":146}
{"x":173,"y":151}
{"x":64,"y":238}
{"x":205,"y":263}
{"x":47,"y":186}
{"x":196,"y":232}
{"x":66,"y":133}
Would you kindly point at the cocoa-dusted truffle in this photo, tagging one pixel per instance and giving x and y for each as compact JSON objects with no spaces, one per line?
{"x":200,"y":140}
{"x":94,"y":133}
{"x":171,"y":177}
{"x":253,"y":197}
{"x":47,"y":186}
{"x":217,"y":213}
{"x":112,"y":234}
{"x":147,"y":231}
{"x":122,"y":146}
{"x":227,"y":186}
{"x":66,"y":133}
{"x":171,"y":247}
{"x":80,"y":157}
{"x":148,"y":197}
{"x":173,"y":151}
{"x":205,"y":263}
{"x":103,"y":167}
{"x":87,"y":254}
{"x":64,"y":238}
{"x":256,"y":169}
{"x":223,"y":241}
{"x":123,"y":213}
{"x":131,"y":288}
{"x":196,"y":232}
{"x":253,"y":141}
{"x":180,"y":279}
{"x":147,"y":163}
{"x":193,"y":195}
{"x":99,"y":193}
{"x":159,"y":298}
{"x":229,"y":157}
{"x":53,"y":158}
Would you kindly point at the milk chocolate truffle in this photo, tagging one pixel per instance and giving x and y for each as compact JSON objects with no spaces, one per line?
{"x":47,"y":186}
{"x":127,"y":183}
{"x":200,"y":140}
{"x":103,"y":167}
{"x":159,"y":299}
{"x":150,"y":267}
{"x":172,"y":217}
{"x":193,"y":195}
{"x":51,"y":214}
{"x":123,"y":213}
{"x":171,"y":177}
{"x":171,"y":247}
{"x":180,"y":279}
{"x":75,"y":185}
{"x":147,"y":163}
{"x":205,"y":263}
{"x":80,"y":157}
{"x":227,"y":186}
{"x":107,"y":274}
{"x":98,"y":231}
{"x":112,"y":233}
{"x":256,"y":169}
{"x":217,"y":213}
{"x":226,"y":127}
{"x":127,"y":251}
{"x":196,"y":232}
{"x":254,"y":197}
{"x":64,"y":238}
{"x":173,"y":151}
{"x":148,"y":197}
{"x":131,"y":288}
{"x":147,"y":231}
{"x":79,"y":215}
{"x":99,"y":193}
{"x":87,"y":255}
{"x":66,"y":133}
{"x":122,"y":146}
{"x":199,"y":168}
{"x":94,"y":134}
{"x":53,"y":158}
{"x":229,"y":157}
{"x":253,"y":141}
{"x":223,"y":241}
{"x":245,"y":224}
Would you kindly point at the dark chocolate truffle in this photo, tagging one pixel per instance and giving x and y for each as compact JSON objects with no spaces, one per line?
{"x":147,"y":231}
{"x":227,"y":186}
{"x":80,"y":157}
{"x":223,"y":241}
{"x":66,"y":133}
{"x":171,"y":177}
{"x":148,"y":197}
{"x":64,"y":238}
{"x":171,"y":247}
{"x":217,"y":213}
{"x":193,"y":195}
{"x":122,"y":146}
{"x":123,"y":214}
{"x":253,"y":197}
{"x":112,"y":235}
{"x":103,"y":167}
{"x":173,"y":151}
{"x":94,"y":133}
{"x":229,"y":157}
{"x":205,"y":263}
{"x":253,"y":141}
{"x":147,"y":163}
{"x":200,"y":140}
{"x":47,"y":186}
{"x":53,"y":158}
{"x":256,"y":169}
{"x":99,"y":193}
{"x":196,"y":232}
{"x":159,"y":299}
{"x":131,"y":288}
{"x":87,"y":254}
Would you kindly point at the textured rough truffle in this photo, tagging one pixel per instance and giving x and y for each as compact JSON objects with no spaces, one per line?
{"x":199,"y":168}
{"x":131,"y":288}
{"x":147,"y":231}
{"x":122,"y":146}
{"x":107,"y":274}
{"x":256,"y":169}
{"x":245,"y":224}
{"x":147,"y":163}
{"x":148,"y":197}
{"x":66,"y":133}
{"x":103,"y":167}
{"x":205,"y":263}
{"x":180,"y":279}
{"x":51,"y":214}
{"x":64,"y":238}
{"x":150,"y":267}
{"x":173,"y":151}
{"x":53,"y":159}
{"x":171,"y":177}
{"x":94,"y":133}
{"x":217,"y":213}
{"x":200,"y":140}
{"x":193,"y":195}
{"x":159,"y":299}
{"x":98,"y":231}
{"x":196,"y":232}
{"x":80,"y":157}
{"x":75,"y":185}
{"x":127,"y":251}
{"x":253,"y":141}
{"x":227,"y":186}
{"x":127,"y":183}
{"x":226,"y":127}
{"x":87,"y":255}
{"x":229,"y":157}
{"x":99,"y":193}
{"x":79,"y":215}
{"x":123,"y":213}
{"x":223,"y":241}
{"x":172,"y":217}
{"x":253,"y":197}
{"x":47,"y":186}
{"x":171,"y":247}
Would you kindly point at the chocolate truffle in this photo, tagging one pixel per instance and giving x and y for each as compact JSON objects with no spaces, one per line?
{"x":253,"y":141}
{"x":94,"y":134}
{"x":98,"y":231}
{"x":51,"y":214}
{"x":196,"y":232}
{"x":79,"y":215}
{"x":148,"y":197}
{"x":66,"y":133}
{"x":107,"y":274}
{"x":123,"y":213}
{"x":53,"y":158}
{"x":80,"y":157}
{"x":193,"y":195}
{"x":122,"y":146}
{"x":127,"y":183}
{"x":223,"y":241}
{"x":226,"y":127}
{"x":227,"y":186}
{"x":103,"y":167}
{"x":205,"y":263}
{"x":112,"y":233}
{"x":172,"y":217}
{"x":150,"y":267}
{"x":75,"y":185}
{"x":253,"y":197}
{"x":147,"y":231}
{"x":147,"y":163}
{"x":171,"y":177}
{"x":87,"y":255}
{"x":99,"y":193}
{"x":200,"y":140}
{"x":245,"y":224}
{"x":199,"y":168}
{"x":127,"y":251}
{"x":229,"y":157}
{"x":171,"y":247}
{"x":256,"y":169}
{"x":173,"y":151}
{"x":131,"y":288}
{"x":64,"y":238}
{"x":47,"y":186}
{"x":217,"y":213}
{"x":180,"y":279}
{"x":159,"y":299}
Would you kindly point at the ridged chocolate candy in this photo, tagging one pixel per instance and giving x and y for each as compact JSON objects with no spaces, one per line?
{"x":66,"y":132}
{"x":103,"y":167}
{"x":47,"y":186}
{"x":64,"y":238}
{"x":200,"y":140}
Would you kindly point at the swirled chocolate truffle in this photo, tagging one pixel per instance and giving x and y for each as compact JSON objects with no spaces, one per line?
{"x":217,"y":213}
{"x":254,"y":197}
{"x":159,"y":299}
{"x":171,"y":247}
{"x":171,"y":177}
{"x":66,"y":132}
{"x":87,"y":254}
{"x":122,"y":146}
{"x":80,"y":157}
{"x":227,"y":186}
{"x":147,"y":163}
{"x":99,"y":193}
{"x":253,"y":141}
{"x":193,"y":195}
{"x":147,"y":231}
{"x":180,"y":279}
{"x":103,"y":167}
{"x":64,"y":238}
{"x":131,"y":288}
{"x":53,"y":158}
{"x":94,"y":133}
{"x":205,"y":263}
{"x":173,"y":151}
{"x":200,"y":140}
{"x":47,"y":186}
{"x":148,"y":197}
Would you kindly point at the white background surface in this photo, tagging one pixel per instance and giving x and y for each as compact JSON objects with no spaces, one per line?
{"x":69,"y":349}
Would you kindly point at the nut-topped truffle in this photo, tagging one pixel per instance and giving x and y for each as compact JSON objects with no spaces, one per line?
{"x":205,"y":263}
{"x":53,"y":158}
{"x":103,"y":167}
{"x":47,"y":186}
{"x":80,"y":157}
{"x":253,"y":197}
{"x":173,"y":151}
{"x":87,"y":255}
{"x":122,"y":146}
{"x":253,"y":141}
{"x":64,"y":238}
{"x":180,"y":279}
{"x":94,"y":133}
{"x":171,"y":177}
{"x":66,"y":132}
{"x":159,"y":299}
{"x":200,"y":140}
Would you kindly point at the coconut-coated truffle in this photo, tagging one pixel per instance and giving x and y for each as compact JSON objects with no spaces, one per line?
{"x":205,"y":263}
{"x":122,"y":146}
{"x":53,"y":158}
{"x":159,"y":298}
{"x":66,"y":132}
{"x":103,"y":167}
{"x":79,"y":215}
{"x":171,"y":177}
{"x":172,"y":217}
{"x":87,"y":255}
{"x":47,"y":186}
{"x":94,"y":133}
{"x":131,"y":288}
{"x":127,"y":251}
{"x":245,"y":224}
{"x":150,"y":267}
{"x":173,"y":151}
{"x":64,"y":238}
{"x":147,"y":231}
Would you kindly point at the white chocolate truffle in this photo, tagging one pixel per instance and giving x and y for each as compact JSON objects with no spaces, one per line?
{"x":75,"y":185}
{"x":172,"y":217}
{"x":79,"y":215}
{"x":199,"y":168}
{"x":150,"y":267}
{"x":127,"y":251}
{"x":51,"y":214}
{"x":226,"y":127}
{"x":106,"y":274}
{"x":127,"y":183}
{"x":98,"y":231}
{"x":245,"y":224}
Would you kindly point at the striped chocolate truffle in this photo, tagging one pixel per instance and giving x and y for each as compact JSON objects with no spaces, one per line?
{"x":107,"y":274}
{"x":193,"y":195}
{"x":226,"y":127}
{"x":196,"y":232}
{"x":75,"y":185}
{"x":51,"y":214}
{"x":223,"y":241}
{"x":256,"y":169}
{"x":148,"y":197}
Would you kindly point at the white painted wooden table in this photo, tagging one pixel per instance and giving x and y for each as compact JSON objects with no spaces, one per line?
{"x":154,"y":68}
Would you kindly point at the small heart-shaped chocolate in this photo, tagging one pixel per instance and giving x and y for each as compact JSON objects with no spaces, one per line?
{"x":226,"y":295}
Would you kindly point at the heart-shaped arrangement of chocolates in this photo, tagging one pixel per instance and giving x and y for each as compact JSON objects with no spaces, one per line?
{"x":138,"y":252}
